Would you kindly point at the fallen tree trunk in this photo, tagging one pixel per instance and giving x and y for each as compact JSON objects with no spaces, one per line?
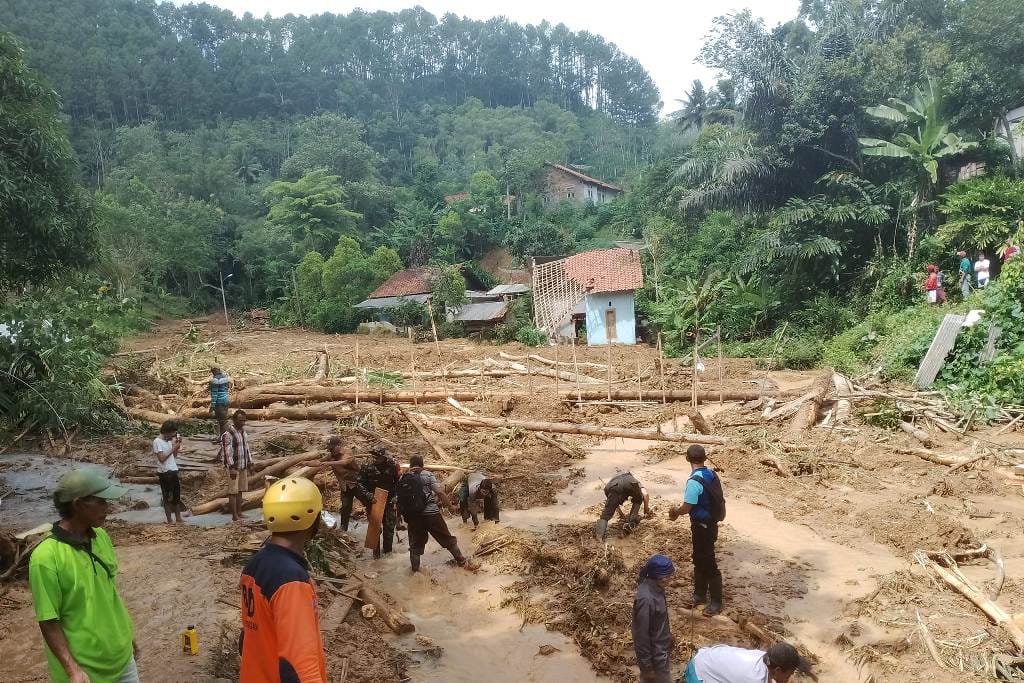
{"x":991,"y":609}
{"x":339,"y":608}
{"x":438,"y":451}
{"x":552,"y":363}
{"x":918,"y":434}
{"x":568,"y":428}
{"x":807,"y":413}
{"x":557,"y":444}
{"x":515,"y":368}
{"x":843,"y":390}
{"x":249,"y":498}
{"x":277,"y":468}
{"x":699,"y":422}
{"x":396,"y":621}
{"x":932,"y":456}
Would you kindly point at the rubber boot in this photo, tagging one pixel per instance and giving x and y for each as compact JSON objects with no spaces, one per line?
{"x":714,"y":605}
{"x":601,"y":529}
{"x":700,"y":588}
{"x":460,"y":559}
{"x":414,"y":560}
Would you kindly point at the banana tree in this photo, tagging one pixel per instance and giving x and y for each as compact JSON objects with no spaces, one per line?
{"x":927,"y":141}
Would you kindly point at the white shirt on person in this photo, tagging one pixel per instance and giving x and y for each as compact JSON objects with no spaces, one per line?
{"x":727,"y":664}
{"x":161,"y":446}
{"x":981,"y":267}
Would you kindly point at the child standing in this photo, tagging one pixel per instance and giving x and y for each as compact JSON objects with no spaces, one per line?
{"x":165,"y":447}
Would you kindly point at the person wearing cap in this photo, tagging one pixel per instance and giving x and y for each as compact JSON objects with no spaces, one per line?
{"x":704,"y":502}
{"x":381,"y":471}
{"x":72,"y":574}
{"x":652,"y":634}
{"x":726,"y":664}
{"x":280,"y":639}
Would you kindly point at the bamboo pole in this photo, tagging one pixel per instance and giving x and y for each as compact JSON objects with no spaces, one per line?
{"x":412,"y":363}
{"x":569,"y":428}
{"x":358,"y":372}
{"x":608,"y":343}
{"x":721,"y":369}
{"x":639,"y":388}
{"x":529,"y":376}
{"x":437,"y":345}
{"x":661,"y":370}
{"x":576,"y":370}
{"x":556,"y":366}
{"x":696,"y":355}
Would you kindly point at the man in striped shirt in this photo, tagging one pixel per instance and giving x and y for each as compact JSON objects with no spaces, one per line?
{"x":234,"y":451}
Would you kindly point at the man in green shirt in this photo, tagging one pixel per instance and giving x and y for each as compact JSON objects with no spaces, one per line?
{"x":87,"y":630}
{"x":965,"y":274}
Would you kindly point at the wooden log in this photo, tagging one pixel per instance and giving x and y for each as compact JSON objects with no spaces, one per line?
{"x":552,"y":363}
{"x":281,"y":466}
{"x":699,"y":422}
{"x":396,"y":621}
{"x":375,"y":520}
{"x":249,"y":499}
{"x":557,"y":444}
{"x":543,"y":372}
{"x":932,"y":456}
{"x":982,"y":602}
{"x":843,"y":389}
{"x":454,"y":403}
{"x":567,"y":428}
{"x":808,"y":413}
{"x":438,"y":450}
{"x":339,"y":608}
{"x":918,"y":434}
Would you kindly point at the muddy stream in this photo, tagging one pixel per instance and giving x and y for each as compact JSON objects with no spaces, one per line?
{"x":460,"y":611}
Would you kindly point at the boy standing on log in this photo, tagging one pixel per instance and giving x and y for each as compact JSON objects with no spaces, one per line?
{"x":704,"y":501}
{"x":219,"y":399}
{"x":418,"y":494}
{"x":234,"y":450}
{"x":622,"y":487}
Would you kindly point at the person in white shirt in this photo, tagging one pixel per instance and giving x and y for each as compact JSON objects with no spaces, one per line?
{"x":981,"y":270}
{"x":165,"y":447}
{"x":727,"y":664}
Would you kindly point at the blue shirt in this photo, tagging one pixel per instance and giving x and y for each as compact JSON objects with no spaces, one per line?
{"x":219,"y":390}
{"x":693,"y":490}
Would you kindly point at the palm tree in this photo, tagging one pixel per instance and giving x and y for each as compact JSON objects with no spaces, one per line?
{"x":694,"y":108}
{"x":724,"y":169}
{"x":249,"y":169}
{"x":928,"y":141}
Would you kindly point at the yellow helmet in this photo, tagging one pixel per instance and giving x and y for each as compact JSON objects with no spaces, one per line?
{"x":292,"y":504}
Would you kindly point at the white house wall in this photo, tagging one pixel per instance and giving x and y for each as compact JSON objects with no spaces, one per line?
{"x":625,"y":318}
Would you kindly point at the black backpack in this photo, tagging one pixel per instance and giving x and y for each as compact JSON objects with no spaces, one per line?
{"x":713,"y":487}
{"x":412,"y":499}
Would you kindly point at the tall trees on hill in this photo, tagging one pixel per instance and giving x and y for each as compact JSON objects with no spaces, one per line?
{"x":192,"y":63}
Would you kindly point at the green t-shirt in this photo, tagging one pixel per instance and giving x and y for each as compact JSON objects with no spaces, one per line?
{"x":70,"y":585}
{"x":965,"y":265}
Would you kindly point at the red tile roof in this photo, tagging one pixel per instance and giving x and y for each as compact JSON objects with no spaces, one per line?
{"x":606,"y":270}
{"x":585,"y":178}
{"x":407,"y":282}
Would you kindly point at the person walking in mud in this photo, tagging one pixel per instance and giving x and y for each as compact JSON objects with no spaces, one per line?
{"x":475,"y":491}
{"x":381,"y":472}
{"x":652,"y":634}
{"x":704,"y":501}
{"x":73,"y":578}
{"x":621,"y":488}
{"x":281,"y":638}
{"x":345,"y":466}
{"x":727,"y":664}
{"x":418,"y":496}
{"x":237,"y":458}
{"x":219,"y":399}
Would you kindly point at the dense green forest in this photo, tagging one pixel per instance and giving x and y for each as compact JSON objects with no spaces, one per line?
{"x":147,"y":150}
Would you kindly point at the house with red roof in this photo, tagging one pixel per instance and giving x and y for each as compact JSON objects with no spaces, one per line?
{"x":595,"y":289}
{"x":414,"y":285}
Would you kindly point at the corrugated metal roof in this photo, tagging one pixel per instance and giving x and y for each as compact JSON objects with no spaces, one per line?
{"x":1015,"y":115}
{"x":485,"y":312}
{"x":583,"y":177}
{"x":393,"y":301}
{"x":500,"y":290}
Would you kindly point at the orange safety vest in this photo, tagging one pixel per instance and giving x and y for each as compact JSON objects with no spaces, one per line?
{"x":280,"y":640}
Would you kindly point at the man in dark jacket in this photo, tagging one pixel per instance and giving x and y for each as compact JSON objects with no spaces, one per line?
{"x":652,"y":634}
{"x":697,"y":502}
{"x":622,"y":487}
{"x":381,"y":472}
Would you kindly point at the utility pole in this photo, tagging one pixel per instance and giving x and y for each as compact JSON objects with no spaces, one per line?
{"x":223,"y":298}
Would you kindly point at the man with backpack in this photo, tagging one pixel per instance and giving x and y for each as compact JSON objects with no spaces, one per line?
{"x":704,"y":501}
{"x":418,"y":495}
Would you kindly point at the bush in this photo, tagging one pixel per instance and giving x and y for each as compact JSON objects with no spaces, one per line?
{"x":800,"y":353}
{"x":824,"y":316}
{"x":450,"y":330}
{"x":531,"y":336}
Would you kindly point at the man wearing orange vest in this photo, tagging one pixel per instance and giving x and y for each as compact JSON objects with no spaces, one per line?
{"x":281,"y":640}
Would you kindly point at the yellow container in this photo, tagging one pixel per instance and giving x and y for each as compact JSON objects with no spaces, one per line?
{"x":190,"y":641}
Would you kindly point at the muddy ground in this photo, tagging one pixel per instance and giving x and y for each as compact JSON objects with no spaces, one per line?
{"x":822,"y":555}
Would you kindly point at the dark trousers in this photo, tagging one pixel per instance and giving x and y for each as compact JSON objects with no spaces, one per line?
{"x":390,"y":522}
{"x":170,"y":488}
{"x":612,"y":503}
{"x":705,"y":566}
{"x":467,"y":507}
{"x":421,"y":526}
{"x":346,"y":504}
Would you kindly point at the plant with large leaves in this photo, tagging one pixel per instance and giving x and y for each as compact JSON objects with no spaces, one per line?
{"x":928,"y":142}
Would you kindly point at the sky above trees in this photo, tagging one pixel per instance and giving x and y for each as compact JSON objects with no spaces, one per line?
{"x":664,"y":36}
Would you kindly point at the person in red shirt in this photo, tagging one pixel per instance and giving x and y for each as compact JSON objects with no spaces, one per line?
{"x":281,"y":640}
{"x":1010,"y":251}
{"x":931,"y":285}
